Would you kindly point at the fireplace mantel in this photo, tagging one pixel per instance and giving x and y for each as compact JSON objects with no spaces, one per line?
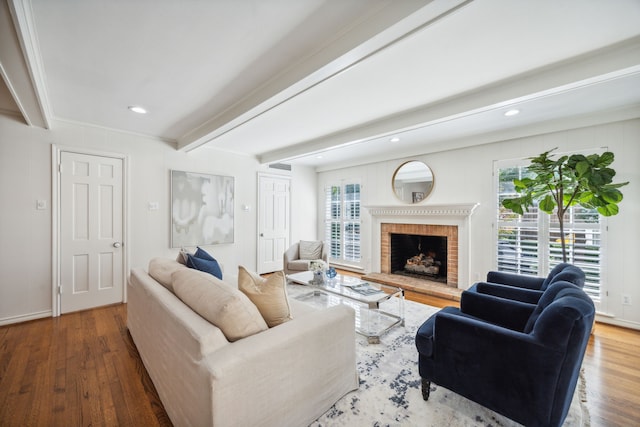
{"x":453,"y":210}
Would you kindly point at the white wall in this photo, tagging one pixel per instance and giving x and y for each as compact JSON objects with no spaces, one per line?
{"x":25,"y":233}
{"x":465,"y":176}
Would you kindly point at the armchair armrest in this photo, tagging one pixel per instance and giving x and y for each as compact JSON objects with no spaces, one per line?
{"x":291,"y":254}
{"x":518,"y":280}
{"x":510,"y":292}
{"x":498,"y":311}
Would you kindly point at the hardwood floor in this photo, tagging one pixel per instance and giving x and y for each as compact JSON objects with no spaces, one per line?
{"x":79,"y":369}
{"x":83,"y":369}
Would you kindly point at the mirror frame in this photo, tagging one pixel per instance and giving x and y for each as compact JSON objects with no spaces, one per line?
{"x":414,"y":197}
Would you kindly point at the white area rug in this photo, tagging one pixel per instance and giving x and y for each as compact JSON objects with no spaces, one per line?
{"x":389,"y":393}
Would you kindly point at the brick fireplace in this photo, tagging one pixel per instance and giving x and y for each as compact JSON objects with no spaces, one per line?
{"x":449,"y":221}
{"x":450,"y":232}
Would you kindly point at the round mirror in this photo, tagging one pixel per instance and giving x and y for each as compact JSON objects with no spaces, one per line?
{"x":412,"y":181}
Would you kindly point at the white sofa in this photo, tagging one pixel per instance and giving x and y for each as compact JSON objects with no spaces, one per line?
{"x":287,"y":375}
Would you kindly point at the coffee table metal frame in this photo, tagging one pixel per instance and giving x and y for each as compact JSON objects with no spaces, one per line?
{"x":342,"y":287}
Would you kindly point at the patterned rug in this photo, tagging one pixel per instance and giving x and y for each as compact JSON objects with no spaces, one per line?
{"x":389,"y":393}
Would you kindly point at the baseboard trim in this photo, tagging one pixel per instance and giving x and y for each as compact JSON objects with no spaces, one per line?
{"x":25,"y":317}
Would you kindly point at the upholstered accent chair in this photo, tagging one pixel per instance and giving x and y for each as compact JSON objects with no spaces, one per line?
{"x":527,"y":288}
{"x":518,"y":359}
{"x":297,"y":257}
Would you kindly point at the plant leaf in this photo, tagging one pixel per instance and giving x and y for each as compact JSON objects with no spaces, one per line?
{"x":547,"y":204}
{"x":608,"y":210}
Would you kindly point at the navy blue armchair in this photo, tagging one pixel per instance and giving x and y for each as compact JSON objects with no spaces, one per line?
{"x":518,"y":359}
{"x":527,"y":288}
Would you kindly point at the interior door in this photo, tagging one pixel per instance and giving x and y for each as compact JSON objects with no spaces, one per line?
{"x":273,"y":220}
{"x":91,"y":231}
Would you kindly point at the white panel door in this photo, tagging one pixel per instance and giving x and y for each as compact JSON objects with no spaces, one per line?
{"x":91,"y":231}
{"x":274,"y":221}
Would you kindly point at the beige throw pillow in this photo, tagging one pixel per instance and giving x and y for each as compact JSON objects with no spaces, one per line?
{"x":222,"y":305}
{"x":310,"y":249}
{"x":161,"y":270}
{"x":269,"y":295}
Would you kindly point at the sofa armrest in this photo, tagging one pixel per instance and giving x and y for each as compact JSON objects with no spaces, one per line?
{"x":510,"y":292}
{"x":512,"y":279}
{"x":498,"y":311}
{"x":308,"y":363}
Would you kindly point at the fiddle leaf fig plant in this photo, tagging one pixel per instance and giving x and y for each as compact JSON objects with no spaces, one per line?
{"x":560,"y":183}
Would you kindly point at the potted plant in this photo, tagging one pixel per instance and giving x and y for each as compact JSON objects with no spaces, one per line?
{"x":560,"y":183}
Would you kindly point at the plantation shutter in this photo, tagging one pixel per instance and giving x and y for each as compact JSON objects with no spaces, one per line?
{"x":342,"y":222}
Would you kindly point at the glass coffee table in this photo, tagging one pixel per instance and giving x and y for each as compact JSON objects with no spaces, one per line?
{"x":378,"y":307}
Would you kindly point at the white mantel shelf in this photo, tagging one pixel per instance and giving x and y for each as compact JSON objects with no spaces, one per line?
{"x":453,"y":210}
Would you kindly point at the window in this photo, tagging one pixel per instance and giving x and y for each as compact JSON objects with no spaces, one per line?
{"x":342,"y":222}
{"x":530,"y":244}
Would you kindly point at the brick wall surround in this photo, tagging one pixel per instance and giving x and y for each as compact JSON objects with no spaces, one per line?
{"x":448,"y":231}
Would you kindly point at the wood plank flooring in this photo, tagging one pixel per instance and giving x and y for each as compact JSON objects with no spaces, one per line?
{"x":83,"y":369}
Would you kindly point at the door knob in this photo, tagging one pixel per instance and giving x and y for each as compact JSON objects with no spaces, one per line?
{"x":117,"y":244}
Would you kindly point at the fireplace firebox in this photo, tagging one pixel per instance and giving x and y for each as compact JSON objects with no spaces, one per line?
{"x":420,"y":256}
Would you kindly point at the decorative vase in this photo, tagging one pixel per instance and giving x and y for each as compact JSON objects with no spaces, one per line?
{"x":331,"y":272}
{"x":318,"y":278}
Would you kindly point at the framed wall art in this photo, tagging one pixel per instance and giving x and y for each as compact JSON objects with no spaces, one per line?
{"x":201,"y":209}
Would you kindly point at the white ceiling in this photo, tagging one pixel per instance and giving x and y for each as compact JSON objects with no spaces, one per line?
{"x":290,"y":80}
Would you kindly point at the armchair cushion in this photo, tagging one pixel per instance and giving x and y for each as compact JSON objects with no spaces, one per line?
{"x":310,"y":250}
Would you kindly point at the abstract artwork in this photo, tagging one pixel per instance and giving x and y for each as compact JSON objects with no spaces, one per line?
{"x":201,"y":209}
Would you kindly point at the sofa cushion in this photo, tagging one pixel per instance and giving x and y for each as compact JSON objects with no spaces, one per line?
{"x":268,"y":294}
{"x":310,"y":249}
{"x":202,"y":261}
{"x":224,"y":306}
{"x":161,"y":270}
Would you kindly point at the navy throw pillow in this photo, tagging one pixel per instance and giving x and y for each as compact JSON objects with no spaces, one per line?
{"x":210,"y":266}
{"x":202,"y":254}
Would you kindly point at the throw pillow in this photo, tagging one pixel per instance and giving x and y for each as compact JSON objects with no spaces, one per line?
{"x":161,"y":270}
{"x":208,"y":265}
{"x":269,"y":295}
{"x":220,"y":304}
{"x":310,"y":249}
{"x":182,"y":256}
{"x":202,"y":254}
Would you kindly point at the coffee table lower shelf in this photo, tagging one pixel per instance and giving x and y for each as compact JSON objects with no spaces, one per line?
{"x":370,"y":322}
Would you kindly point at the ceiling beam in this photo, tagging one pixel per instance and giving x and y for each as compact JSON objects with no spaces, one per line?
{"x":390,"y":24}
{"x":20,"y":64}
{"x":610,"y":62}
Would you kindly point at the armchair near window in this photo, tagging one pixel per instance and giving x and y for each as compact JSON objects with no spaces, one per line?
{"x":520,"y":360}
{"x":524,"y":288}
{"x":297,"y":257}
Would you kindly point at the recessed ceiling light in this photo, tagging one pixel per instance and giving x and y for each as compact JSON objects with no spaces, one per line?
{"x":137,"y":109}
{"x":395,"y":139}
{"x":512,"y":112}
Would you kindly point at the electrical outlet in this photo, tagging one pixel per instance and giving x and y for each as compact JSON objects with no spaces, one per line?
{"x":626,"y":299}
